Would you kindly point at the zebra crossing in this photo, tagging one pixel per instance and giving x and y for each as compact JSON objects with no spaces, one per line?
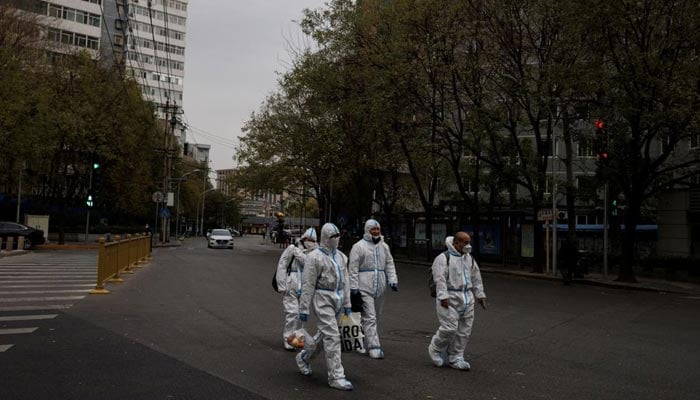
{"x":33,"y":286}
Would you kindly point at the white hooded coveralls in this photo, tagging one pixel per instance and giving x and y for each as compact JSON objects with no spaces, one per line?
{"x":290,"y":284}
{"x":372,"y":269}
{"x":460,"y":284}
{"x":326,"y":284}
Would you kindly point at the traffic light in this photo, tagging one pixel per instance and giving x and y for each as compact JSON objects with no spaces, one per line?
{"x":89,"y":200}
{"x":95,"y":165}
{"x":615,"y":211}
{"x":601,"y":140}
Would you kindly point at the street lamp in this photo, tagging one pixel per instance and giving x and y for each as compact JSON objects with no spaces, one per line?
{"x":177,"y":213}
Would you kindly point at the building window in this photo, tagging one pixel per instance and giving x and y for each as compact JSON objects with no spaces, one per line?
{"x":585,"y":149}
{"x":695,"y":141}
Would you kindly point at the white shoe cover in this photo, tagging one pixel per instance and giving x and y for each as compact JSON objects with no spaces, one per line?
{"x":435,"y":356}
{"x":341,"y":384}
{"x":461,"y":364}
{"x":376,"y":353}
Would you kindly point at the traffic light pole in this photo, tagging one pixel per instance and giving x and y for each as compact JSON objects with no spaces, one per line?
{"x":87,"y":220}
{"x":605,"y":232}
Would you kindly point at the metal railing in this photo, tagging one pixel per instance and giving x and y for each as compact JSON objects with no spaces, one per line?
{"x":120,"y":257}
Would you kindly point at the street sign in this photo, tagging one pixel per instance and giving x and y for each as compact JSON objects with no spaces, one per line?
{"x":165,"y":213}
{"x":545,"y":214}
{"x":157,"y":197}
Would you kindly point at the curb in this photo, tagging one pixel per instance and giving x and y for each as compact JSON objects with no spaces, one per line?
{"x":585,"y":281}
{"x":11,"y":253}
{"x":66,"y":247}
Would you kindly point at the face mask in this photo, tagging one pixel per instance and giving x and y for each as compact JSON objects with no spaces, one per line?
{"x":376,"y":239}
{"x":310,"y":245}
{"x":333,"y":243}
{"x":467,"y":249}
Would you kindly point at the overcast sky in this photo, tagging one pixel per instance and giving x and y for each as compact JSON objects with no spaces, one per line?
{"x":234,"y":50}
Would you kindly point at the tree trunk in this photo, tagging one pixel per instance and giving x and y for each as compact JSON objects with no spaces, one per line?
{"x":632,"y":214}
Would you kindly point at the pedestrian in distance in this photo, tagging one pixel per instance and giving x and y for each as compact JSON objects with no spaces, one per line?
{"x":326,"y":287}
{"x":290,"y":270}
{"x":458,"y":286}
{"x":568,"y":260}
{"x":372,"y":270}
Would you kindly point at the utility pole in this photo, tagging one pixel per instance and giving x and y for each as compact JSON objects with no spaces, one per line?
{"x":555,"y":214}
{"x":170,"y":120}
{"x":19,"y":190}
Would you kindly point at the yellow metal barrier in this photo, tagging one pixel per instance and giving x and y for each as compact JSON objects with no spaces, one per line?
{"x":118,"y":257}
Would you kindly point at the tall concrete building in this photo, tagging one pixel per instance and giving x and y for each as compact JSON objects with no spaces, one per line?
{"x":69,"y":25}
{"x":154,"y":51}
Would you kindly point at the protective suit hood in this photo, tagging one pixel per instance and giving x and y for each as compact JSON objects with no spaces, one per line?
{"x":309,"y":234}
{"x":371,"y":223}
{"x":451,"y":247}
{"x":327,"y":231}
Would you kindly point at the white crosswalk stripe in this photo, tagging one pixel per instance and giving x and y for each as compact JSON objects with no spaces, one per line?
{"x":28,"y":317}
{"x":34,"y":284}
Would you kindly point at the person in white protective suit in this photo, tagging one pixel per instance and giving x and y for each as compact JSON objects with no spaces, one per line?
{"x":458,"y":285}
{"x":372,"y":269}
{"x":290,"y":269}
{"x":326,"y":283}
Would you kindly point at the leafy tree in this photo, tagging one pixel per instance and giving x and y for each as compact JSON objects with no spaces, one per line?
{"x":647,"y":93}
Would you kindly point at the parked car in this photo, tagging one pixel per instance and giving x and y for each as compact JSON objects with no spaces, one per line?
{"x":220,"y":238}
{"x":31,"y":235}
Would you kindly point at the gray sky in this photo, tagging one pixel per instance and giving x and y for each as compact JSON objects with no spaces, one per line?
{"x":234,"y":49}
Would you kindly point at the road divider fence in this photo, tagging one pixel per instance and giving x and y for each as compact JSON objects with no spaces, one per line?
{"x":120,"y":257}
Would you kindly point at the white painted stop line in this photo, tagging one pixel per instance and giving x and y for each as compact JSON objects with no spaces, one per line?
{"x":17,"y":331}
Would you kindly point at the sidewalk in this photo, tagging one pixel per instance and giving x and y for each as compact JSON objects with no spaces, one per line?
{"x":595,"y":279}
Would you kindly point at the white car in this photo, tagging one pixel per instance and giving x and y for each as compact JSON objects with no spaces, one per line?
{"x":220,"y":238}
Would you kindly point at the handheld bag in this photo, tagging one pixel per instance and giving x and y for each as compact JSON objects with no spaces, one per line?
{"x":301,"y":339}
{"x":351,"y":333}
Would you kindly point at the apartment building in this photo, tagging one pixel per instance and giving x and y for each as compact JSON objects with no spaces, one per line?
{"x":70,"y":25}
{"x":222,"y":181}
{"x":154,"y":48}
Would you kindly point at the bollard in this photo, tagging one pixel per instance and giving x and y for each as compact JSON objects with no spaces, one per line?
{"x":20,"y":242}
{"x":10,"y":245}
{"x":101,"y":269}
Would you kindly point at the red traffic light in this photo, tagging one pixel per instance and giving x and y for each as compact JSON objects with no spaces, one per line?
{"x":599,"y":124}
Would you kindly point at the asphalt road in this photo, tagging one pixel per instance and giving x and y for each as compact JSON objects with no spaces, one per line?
{"x":200,"y":323}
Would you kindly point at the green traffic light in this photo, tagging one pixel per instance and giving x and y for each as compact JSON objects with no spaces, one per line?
{"x":95,"y":165}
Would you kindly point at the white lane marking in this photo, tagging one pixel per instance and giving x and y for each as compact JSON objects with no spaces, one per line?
{"x":37,"y":308}
{"x":28,"y":317}
{"x":43,"y":291}
{"x":21,"y":299}
{"x":17,"y":331}
{"x":32,"y":276}
{"x":5,"y":347}
{"x":51,"y":286}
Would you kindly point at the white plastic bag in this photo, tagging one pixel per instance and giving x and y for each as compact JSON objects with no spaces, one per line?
{"x":301,"y":339}
{"x":351,"y":333}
